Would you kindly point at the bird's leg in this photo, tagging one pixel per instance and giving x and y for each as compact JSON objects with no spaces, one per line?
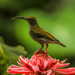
{"x":46,"y":48}
{"x":41,"y":46}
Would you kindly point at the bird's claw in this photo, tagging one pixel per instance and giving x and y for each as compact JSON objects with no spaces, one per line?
{"x":45,"y":51}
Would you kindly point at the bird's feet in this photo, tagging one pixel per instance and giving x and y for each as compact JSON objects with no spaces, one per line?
{"x":45,"y":51}
{"x":46,"y":48}
{"x":42,"y":50}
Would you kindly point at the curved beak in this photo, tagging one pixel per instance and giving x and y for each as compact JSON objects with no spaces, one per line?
{"x":19,"y":18}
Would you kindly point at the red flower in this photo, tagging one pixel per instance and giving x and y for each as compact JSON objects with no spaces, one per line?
{"x":40,"y":64}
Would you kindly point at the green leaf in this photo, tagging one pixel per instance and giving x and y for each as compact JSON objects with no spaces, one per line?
{"x":12,"y":53}
{"x":3,"y":62}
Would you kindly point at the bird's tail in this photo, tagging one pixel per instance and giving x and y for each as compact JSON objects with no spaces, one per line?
{"x":62,"y":44}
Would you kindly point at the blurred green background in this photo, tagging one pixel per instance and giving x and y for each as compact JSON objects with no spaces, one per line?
{"x":55,"y":16}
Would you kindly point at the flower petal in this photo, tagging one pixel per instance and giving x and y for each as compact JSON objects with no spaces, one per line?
{"x":63,"y":65}
{"x":35,"y":68}
{"x":27,"y":60}
{"x":45,"y":64}
{"x":52,"y":74}
{"x":66,"y":71}
{"x":48,"y":72}
{"x":63,"y":61}
{"x":13,"y":69}
{"x":22,"y":60}
{"x":20,"y":64}
{"x":55,"y":66}
{"x":30,"y":74}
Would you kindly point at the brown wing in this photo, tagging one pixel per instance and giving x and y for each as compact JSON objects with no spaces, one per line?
{"x":48,"y":35}
{"x":40,"y":33}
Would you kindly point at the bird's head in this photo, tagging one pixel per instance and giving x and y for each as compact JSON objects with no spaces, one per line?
{"x":31,"y":19}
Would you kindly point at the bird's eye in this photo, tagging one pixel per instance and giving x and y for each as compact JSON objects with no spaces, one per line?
{"x":30,"y":19}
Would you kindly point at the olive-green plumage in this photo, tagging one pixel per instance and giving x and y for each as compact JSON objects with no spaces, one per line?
{"x":38,"y":34}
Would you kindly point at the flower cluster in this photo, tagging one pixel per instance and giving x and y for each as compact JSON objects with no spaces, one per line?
{"x":41,"y":64}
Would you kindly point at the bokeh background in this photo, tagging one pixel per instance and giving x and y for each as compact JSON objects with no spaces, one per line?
{"x":55,"y":16}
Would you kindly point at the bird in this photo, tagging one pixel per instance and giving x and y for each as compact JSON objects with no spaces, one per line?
{"x":39,"y":34}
